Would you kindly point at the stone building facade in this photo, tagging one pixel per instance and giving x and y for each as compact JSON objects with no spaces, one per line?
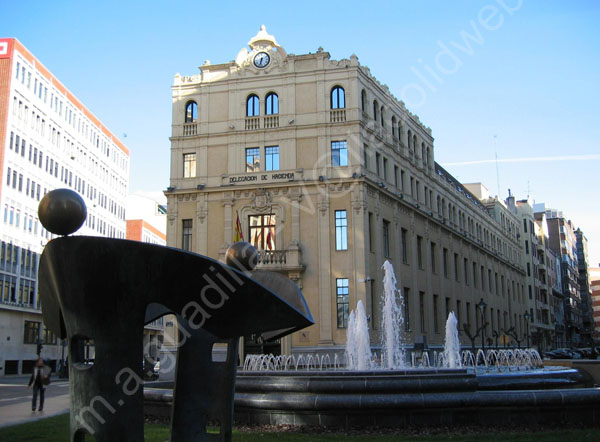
{"x":316,"y":163}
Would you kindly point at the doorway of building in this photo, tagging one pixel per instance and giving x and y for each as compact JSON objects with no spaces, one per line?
{"x":255,"y":344}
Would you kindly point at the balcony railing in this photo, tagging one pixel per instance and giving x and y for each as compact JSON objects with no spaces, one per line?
{"x":190,"y":129}
{"x":280,"y":260}
{"x":252,"y":123}
{"x":337,"y":115}
{"x":271,"y":121}
{"x":267,"y":257}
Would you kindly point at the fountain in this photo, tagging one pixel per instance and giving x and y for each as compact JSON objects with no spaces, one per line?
{"x":392,"y":321}
{"x":448,"y":388}
{"x":451,"y":355}
{"x":358,"y":345}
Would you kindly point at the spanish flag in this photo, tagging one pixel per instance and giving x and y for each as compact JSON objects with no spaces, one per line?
{"x":239,"y":235}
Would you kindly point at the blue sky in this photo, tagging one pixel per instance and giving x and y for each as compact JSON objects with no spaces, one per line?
{"x":530,"y":76}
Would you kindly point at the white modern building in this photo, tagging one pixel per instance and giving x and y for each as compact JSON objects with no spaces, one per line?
{"x":48,"y":140}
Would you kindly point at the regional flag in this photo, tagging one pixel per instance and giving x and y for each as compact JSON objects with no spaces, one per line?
{"x":239,"y":235}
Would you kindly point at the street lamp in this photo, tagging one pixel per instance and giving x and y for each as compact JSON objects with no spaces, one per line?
{"x":482,"y":305}
{"x":527,"y":316}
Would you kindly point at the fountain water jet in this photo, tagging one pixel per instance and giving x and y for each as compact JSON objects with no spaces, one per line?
{"x":358,"y":344}
{"x":392,"y":321}
{"x":452,"y":357}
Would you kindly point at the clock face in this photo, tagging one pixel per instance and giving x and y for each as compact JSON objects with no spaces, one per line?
{"x":261,"y":60}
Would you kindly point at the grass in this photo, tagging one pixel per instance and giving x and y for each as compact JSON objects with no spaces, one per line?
{"x":56,"y":429}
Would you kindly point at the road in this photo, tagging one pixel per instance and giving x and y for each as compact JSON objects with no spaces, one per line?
{"x":15,"y":400}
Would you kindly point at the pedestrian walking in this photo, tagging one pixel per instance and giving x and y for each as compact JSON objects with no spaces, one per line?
{"x":38,"y":381}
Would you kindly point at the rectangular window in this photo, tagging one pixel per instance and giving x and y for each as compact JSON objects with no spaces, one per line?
{"x":189,"y":165}
{"x":8,"y":177}
{"x":469,"y":315}
{"x":420,"y":251}
{"x":482,"y":277}
{"x":186,"y":234}
{"x":422,"y":310}
{"x":403,"y":233}
{"x":366,"y":156}
{"x":386,"y":238}
{"x":252,"y":159}
{"x":272,"y":158}
{"x":385,"y":168}
{"x":396,"y":176}
{"x":448,"y":307}
{"x":433,"y":258}
{"x":466,"y":270}
{"x":32,"y":332}
{"x":48,"y":336}
{"x":445,"y":257}
{"x":341,"y":230}
{"x":406,"y":309}
{"x":456,"y":267}
{"x":496,"y":284}
{"x":526,"y":247}
{"x":474,"y":275}
{"x":339,"y":153}
{"x":262,"y":231}
{"x":402,"y":178}
{"x":436,"y":326}
{"x":342,"y":296}
{"x":378,"y":164}
{"x":458,"y":306}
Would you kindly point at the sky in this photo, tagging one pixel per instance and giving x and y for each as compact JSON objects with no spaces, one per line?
{"x":516,"y":80}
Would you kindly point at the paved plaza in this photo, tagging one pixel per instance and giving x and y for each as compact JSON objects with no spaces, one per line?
{"x":15,"y":400}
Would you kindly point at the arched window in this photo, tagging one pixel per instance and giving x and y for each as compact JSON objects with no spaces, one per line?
{"x":381,"y":116}
{"x":393,"y":126}
{"x":409,"y":139}
{"x":414,"y":145}
{"x":338,"y":98}
{"x":191,"y":112}
{"x":363,"y":100}
{"x":252,"y":109}
{"x":423,"y":152}
{"x":271,"y":104}
{"x":375,"y":109}
{"x":428,"y":157}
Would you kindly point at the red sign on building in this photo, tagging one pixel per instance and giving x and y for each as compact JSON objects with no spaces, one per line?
{"x":6,"y":45}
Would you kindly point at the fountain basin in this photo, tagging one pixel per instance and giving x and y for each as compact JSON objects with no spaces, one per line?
{"x":453,"y":397}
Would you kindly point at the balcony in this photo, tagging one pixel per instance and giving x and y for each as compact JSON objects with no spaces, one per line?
{"x":288,"y":260}
{"x":190,"y":129}
{"x":271,"y":121}
{"x":252,"y":123}
{"x":337,"y":115}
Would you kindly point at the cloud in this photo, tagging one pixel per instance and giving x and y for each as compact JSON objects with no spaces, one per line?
{"x":590,"y":157}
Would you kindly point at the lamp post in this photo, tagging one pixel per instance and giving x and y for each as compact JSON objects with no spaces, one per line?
{"x":482,"y":305}
{"x":527,"y":316}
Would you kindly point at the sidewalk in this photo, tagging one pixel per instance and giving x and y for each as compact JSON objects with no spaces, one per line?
{"x":15,"y":400}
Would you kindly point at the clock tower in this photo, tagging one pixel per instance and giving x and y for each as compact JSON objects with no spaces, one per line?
{"x":264,"y":52}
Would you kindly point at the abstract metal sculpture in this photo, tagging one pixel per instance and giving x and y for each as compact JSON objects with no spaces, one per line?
{"x":105,"y":290}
